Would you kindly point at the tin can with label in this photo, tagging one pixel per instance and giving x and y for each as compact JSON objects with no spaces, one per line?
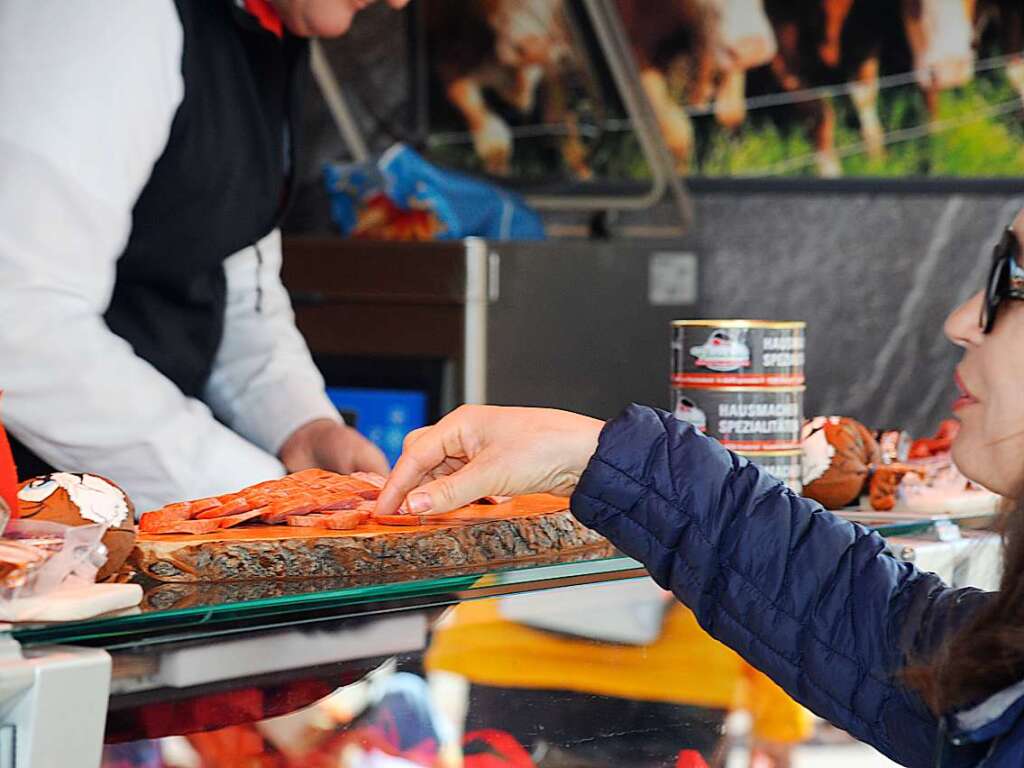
{"x":786,"y":466}
{"x":737,"y":353}
{"x":744,"y":418}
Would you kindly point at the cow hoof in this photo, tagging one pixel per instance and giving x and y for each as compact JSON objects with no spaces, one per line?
{"x":497,"y":164}
{"x":829,"y":166}
{"x":731,"y":118}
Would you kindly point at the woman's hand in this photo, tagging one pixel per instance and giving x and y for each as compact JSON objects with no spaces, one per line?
{"x":329,"y":445}
{"x":478,"y":451}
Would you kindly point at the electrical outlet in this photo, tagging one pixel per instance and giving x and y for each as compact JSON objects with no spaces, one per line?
{"x":672,"y":278}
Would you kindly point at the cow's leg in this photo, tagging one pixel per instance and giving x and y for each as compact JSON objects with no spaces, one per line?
{"x":865,"y":99}
{"x":522,"y":92}
{"x":818,"y":112}
{"x":492,"y":138}
{"x":931,"y":101}
{"x":1015,"y":71}
{"x":826,"y":159}
{"x":1013,"y":41}
{"x":730,"y":103}
{"x":558,"y":112}
{"x":672,"y":118}
{"x":574,"y":151}
{"x":836,"y":12}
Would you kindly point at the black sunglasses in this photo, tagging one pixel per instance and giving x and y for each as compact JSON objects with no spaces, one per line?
{"x":1005,"y":281}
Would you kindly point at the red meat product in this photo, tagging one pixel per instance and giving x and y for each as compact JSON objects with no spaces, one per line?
{"x":397,"y":519}
{"x":184,"y":526}
{"x":233,"y":520}
{"x":172,"y":513}
{"x":339,"y":501}
{"x":232,"y":506}
{"x":208,"y":525}
{"x":372,"y":478}
{"x":279,"y":511}
{"x":201,"y":505}
{"x":337,"y":521}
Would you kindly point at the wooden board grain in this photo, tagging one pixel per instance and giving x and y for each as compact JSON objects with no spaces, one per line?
{"x":524,"y":529}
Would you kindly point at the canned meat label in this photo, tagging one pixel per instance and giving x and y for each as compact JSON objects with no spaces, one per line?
{"x":744,"y":419}
{"x":737,"y":353}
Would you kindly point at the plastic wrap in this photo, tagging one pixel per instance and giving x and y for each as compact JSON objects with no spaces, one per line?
{"x":38,"y":556}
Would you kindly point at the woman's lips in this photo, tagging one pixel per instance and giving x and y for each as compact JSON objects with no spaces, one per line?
{"x":965,"y":398}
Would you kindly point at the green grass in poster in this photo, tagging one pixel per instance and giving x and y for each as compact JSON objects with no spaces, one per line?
{"x":978,"y":132}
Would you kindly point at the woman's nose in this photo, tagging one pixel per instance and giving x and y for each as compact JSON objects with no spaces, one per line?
{"x":963,"y":326}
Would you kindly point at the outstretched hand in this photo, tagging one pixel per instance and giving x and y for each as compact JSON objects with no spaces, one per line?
{"x":478,"y":451}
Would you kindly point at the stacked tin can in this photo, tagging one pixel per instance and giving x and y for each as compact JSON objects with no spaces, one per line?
{"x":742,"y":382}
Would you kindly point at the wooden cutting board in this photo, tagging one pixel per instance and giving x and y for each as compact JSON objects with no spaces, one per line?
{"x":523,"y":529}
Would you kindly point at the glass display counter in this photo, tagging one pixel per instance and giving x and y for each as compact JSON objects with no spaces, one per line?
{"x":578,"y":662}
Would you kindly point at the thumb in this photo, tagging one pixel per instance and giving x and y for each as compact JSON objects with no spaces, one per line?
{"x":453,"y":491}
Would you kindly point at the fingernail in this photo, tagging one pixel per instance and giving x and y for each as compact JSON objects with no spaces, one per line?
{"x":419,"y":503}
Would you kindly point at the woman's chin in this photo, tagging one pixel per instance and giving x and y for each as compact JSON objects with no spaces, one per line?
{"x":966,"y":459}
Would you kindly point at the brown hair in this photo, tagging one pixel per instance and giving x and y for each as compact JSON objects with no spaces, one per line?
{"x":987,"y":654}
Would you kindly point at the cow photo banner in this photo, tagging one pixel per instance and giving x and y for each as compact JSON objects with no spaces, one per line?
{"x":518,"y":90}
{"x":740,"y":88}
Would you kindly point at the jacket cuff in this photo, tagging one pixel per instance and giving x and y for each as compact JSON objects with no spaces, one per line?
{"x":638,"y":489}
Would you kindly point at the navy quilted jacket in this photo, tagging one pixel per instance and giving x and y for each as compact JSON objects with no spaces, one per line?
{"x":812,"y":600}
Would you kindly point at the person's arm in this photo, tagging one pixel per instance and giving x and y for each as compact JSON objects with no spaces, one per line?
{"x":88,"y":92}
{"x":813,"y":601}
{"x":264,"y":384}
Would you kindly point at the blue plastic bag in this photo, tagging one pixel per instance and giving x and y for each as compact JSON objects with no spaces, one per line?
{"x":461,"y":206}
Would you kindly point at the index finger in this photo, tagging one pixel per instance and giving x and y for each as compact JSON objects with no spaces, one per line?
{"x":420,"y":457}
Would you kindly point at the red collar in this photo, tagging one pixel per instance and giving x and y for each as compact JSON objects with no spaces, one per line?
{"x":265,"y":14}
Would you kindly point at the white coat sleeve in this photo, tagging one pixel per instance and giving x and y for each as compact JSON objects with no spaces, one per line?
{"x":264,"y":383}
{"x":88,"y":92}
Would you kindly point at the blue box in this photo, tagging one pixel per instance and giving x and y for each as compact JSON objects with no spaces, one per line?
{"x":385,"y":416}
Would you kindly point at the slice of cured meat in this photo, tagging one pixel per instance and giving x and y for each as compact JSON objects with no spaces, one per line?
{"x":233,"y":520}
{"x":341,"y":501}
{"x":475,"y":514}
{"x":232,"y":506}
{"x":338,"y":521}
{"x":173,"y":513}
{"x":185,"y":526}
{"x":208,"y":525}
{"x":279,"y":511}
{"x":201,"y":505}
{"x":377,"y":481}
{"x":397,"y":519}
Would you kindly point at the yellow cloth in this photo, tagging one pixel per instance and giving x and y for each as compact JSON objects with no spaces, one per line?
{"x":684,"y":666}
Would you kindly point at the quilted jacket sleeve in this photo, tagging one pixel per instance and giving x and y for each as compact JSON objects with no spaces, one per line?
{"x":813,"y":601}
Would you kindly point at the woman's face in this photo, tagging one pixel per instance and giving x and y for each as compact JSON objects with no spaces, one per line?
{"x":323,"y":18}
{"x":990,"y":446}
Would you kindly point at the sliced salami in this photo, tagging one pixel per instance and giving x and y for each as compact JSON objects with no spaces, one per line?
{"x":173,"y":513}
{"x":337,"y":521}
{"x":232,"y":506}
